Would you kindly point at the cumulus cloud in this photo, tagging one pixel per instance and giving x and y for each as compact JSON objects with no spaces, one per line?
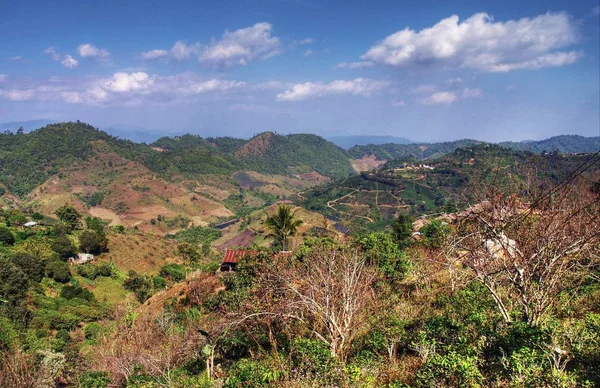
{"x":398,"y":103}
{"x":448,"y":97}
{"x":242,"y":46}
{"x":182,"y":51}
{"x":120,"y":89}
{"x":354,"y":65}
{"x":307,"y":53}
{"x":439,"y":98}
{"x":87,"y":50}
{"x":308,"y":90}
{"x":51,"y":51}
{"x":153,"y":55}
{"x":127,"y":82}
{"x":482,"y":44}
{"x":472,"y":93}
{"x":69,"y":62}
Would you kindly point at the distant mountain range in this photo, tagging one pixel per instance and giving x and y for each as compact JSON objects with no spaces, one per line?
{"x":28,"y":126}
{"x":348,"y":142}
{"x":563,"y":144}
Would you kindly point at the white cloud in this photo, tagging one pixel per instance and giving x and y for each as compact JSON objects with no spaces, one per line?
{"x":53,"y":53}
{"x":307,"y":53}
{"x":448,"y":97}
{"x":305,"y":41}
{"x":16,"y":58}
{"x":17,"y":94}
{"x":596,"y":11}
{"x":472,"y":93}
{"x":511,"y":87}
{"x":182,"y":51}
{"x":356,"y":87}
{"x":354,"y":65}
{"x":398,"y":103}
{"x":120,"y":89}
{"x":3,"y":77}
{"x":154,"y":55}
{"x":87,"y":50}
{"x":69,"y":62}
{"x":482,"y":44}
{"x":455,"y":81}
{"x":242,"y":46}
{"x":127,"y":82}
{"x":438,"y":98}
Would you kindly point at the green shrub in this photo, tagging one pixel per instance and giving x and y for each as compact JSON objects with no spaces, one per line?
{"x":94,"y":379}
{"x":30,"y":265}
{"x":435,"y":233}
{"x":91,"y":241}
{"x":8,"y":335}
{"x":54,"y":320}
{"x":139,"y":285}
{"x":312,"y":357}
{"x":61,"y":340}
{"x":174,"y":272}
{"x":92,"y":271}
{"x":6,"y":236}
{"x":72,"y":292}
{"x":450,"y":370}
{"x":159,"y":282}
{"x":59,"y":271}
{"x":92,"y":330}
{"x":63,"y":246}
{"x":251,"y":373}
{"x":119,"y":229}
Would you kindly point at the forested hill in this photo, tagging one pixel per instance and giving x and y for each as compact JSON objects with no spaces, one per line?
{"x":266,"y":153}
{"x":27,"y":160}
{"x":563,"y":144}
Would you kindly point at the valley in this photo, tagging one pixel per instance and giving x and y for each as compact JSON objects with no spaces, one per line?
{"x":158,"y":219}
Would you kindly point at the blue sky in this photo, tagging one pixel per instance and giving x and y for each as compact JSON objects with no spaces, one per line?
{"x":426,"y":70}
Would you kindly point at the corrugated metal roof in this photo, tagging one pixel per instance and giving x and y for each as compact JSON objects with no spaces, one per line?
{"x":233,"y":255}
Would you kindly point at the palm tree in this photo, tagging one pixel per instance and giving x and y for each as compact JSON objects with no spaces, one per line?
{"x":283,"y":225}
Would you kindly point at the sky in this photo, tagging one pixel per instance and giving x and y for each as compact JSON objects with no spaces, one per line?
{"x":421,"y":69}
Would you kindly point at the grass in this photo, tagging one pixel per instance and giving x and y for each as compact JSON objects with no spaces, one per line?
{"x":110,"y":290}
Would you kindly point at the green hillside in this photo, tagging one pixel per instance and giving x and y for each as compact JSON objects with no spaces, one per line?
{"x":563,"y":144}
{"x":27,"y":160}
{"x":452,"y":180}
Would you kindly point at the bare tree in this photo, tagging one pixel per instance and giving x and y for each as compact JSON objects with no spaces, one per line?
{"x":526,"y":256}
{"x":334,"y":289}
{"x":328,"y":292}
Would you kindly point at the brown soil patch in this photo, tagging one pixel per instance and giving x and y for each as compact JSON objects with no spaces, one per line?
{"x":256,"y":146}
{"x":106,"y":214}
{"x":243,"y":239}
{"x":139,"y":252}
{"x":367,"y":163}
